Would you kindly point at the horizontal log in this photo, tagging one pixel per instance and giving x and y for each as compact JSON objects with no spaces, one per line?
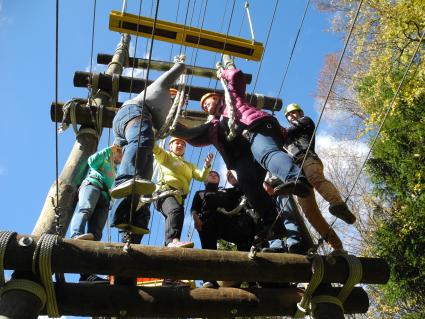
{"x":85,"y":116}
{"x":126,"y":84}
{"x":211,"y":73}
{"x":74,"y":256}
{"x":105,"y":300}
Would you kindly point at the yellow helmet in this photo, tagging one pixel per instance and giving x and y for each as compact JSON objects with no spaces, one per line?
{"x":293,"y":107}
{"x":206,"y":96}
{"x":173,"y":138}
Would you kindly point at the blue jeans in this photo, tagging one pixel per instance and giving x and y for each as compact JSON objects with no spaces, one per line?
{"x":266,"y":146}
{"x":92,"y":210}
{"x":128,"y":138}
{"x":293,"y":233}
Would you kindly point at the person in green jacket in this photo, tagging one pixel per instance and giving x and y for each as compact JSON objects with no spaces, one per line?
{"x":93,"y":195}
{"x":176,"y":174}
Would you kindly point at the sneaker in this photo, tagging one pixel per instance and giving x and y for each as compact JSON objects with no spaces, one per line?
{"x":88,"y":236}
{"x":168,"y":282}
{"x":301,"y":188}
{"x":92,"y":279}
{"x":342,"y":211}
{"x":181,"y":244}
{"x":228,"y":61}
{"x":210,"y":284}
{"x":141,"y":187}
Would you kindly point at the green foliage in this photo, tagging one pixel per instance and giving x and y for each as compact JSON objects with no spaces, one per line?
{"x":384,"y":40}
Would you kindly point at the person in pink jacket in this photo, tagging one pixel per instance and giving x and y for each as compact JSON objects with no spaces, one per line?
{"x":261,"y":129}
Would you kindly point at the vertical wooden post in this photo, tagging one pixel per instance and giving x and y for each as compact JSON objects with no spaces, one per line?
{"x":75,"y":168}
{"x":16,"y":304}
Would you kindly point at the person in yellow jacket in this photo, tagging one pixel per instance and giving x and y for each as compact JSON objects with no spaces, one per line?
{"x":176,"y":174}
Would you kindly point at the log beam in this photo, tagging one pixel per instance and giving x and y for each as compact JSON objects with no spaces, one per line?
{"x":105,"y":300}
{"x":126,"y":84}
{"x":75,"y":256}
{"x":84,"y":116}
{"x":139,"y":63}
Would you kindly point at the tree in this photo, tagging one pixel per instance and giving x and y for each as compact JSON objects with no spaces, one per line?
{"x":383,"y":41}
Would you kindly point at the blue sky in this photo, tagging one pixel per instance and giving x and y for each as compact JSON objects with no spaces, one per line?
{"x":27,"y":34}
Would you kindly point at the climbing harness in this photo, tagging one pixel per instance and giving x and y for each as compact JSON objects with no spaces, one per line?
{"x":236,"y":210}
{"x":69,"y":107}
{"x":159,"y":195}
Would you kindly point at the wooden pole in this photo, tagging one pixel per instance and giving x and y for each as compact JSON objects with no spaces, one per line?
{"x":75,"y":256}
{"x":82,"y":79}
{"x":84,"y":115}
{"x":165,"y":66}
{"x":71,"y":176}
{"x":105,"y":300}
{"x":75,"y":167}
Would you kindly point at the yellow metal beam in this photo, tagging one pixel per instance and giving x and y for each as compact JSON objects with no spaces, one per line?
{"x":188,"y":36}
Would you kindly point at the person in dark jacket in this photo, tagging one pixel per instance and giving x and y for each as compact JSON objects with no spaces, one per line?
{"x":299,"y":134}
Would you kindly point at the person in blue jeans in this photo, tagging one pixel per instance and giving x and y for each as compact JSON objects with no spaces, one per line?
{"x":135,"y":121}
{"x":93,"y":196}
{"x":93,"y":200}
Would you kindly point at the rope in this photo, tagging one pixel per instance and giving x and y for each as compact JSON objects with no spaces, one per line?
{"x":89,"y":93}
{"x":28,"y":286}
{"x":236,"y":210}
{"x":132,"y":207}
{"x":57,"y":213}
{"x":290,"y":56}
{"x":251,"y":28}
{"x":330,"y":87}
{"x":265,"y":48}
{"x":170,"y":192}
{"x":5,"y":237}
{"x":43,"y":256}
{"x":316,"y":278}
{"x":386,"y":114}
{"x":173,"y":114}
{"x":69,"y":107}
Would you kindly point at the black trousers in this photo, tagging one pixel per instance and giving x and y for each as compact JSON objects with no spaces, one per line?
{"x":237,"y":229}
{"x":174,"y":217}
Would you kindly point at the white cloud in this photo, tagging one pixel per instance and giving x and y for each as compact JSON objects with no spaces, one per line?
{"x":3,"y":18}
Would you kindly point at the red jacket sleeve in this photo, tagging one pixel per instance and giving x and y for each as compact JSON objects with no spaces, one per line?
{"x":235,"y":82}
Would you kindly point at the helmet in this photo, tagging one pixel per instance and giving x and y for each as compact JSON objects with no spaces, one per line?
{"x":206,"y":96}
{"x":173,"y":92}
{"x":173,"y":138}
{"x":293,"y":107}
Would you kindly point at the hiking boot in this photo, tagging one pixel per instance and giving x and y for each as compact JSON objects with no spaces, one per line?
{"x":181,"y":244}
{"x":342,"y":211}
{"x":141,"y":187}
{"x":92,"y":279}
{"x":301,"y":188}
{"x":210,"y":284}
{"x":88,"y":236}
{"x":296,"y":248}
{"x":168,"y":282}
